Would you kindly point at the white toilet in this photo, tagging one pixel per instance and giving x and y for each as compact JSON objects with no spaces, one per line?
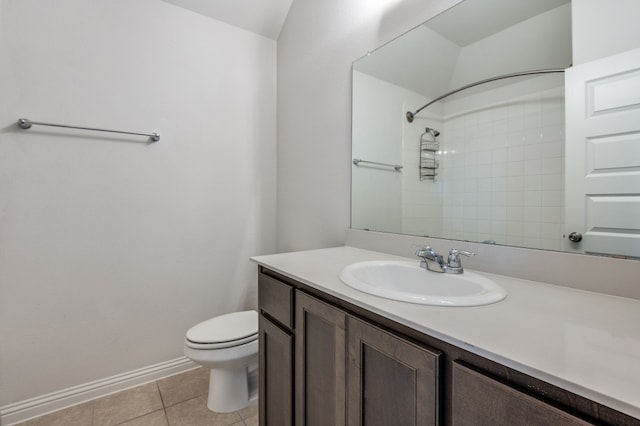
{"x":228,"y":345}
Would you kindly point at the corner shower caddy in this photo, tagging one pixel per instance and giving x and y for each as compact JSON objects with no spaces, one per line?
{"x":429,"y":148}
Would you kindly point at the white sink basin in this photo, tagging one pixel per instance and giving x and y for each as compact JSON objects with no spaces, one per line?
{"x":408,"y":282}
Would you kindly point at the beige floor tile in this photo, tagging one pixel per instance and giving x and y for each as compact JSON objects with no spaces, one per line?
{"x":194,"y":412}
{"x":126,"y":405}
{"x":184,"y":386}
{"x":249,"y":412}
{"x":157,"y":418}
{"x":251,"y":421}
{"x":78,"y":415}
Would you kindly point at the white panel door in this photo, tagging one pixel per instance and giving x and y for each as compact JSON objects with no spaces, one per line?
{"x":603,"y":155}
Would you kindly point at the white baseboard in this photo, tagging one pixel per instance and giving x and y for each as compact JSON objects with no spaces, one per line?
{"x":54,"y":401}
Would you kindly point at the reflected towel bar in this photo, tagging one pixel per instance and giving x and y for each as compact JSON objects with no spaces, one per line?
{"x":25,"y":123}
{"x":411,"y":115}
{"x":396,"y":167}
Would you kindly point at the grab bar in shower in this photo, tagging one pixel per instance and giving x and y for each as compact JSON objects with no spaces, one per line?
{"x":410,"y":115}
{"x":396,"y":167}
{"x":25,"y":123}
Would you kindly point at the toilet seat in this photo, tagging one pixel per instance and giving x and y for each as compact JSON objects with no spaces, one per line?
{"x":225,"y":331}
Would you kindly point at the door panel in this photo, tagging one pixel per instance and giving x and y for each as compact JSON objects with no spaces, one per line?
{"x":603,"y":155}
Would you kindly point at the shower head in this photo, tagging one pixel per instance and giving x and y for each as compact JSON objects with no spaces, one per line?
{"x":433,"y":132}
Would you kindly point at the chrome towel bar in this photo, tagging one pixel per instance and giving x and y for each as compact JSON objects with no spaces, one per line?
{"x":25,"y":123}
{"x":396,"y":167}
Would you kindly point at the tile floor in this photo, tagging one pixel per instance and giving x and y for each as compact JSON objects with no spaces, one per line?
{"x":179,"y":400}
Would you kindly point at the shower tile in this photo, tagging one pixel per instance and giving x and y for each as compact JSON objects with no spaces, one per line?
{"x":532,"y":151}
{"x":194,"y":412}
{"x":532,"y":183}
{"x":515,"y":153}
{"x":552,"y":181}
{"x":533,"y":167}
{"x":127,"y":405}
{"x":515,"y":183}
{"x":78,"y":415}
{"x":552,"y":166}
{"x":184,"y":386}
{"x":533,"y":120}
{"x":551,"y":150}
{"x":532,"y":198}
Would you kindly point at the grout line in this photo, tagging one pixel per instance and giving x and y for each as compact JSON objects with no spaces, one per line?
{"x":142,"y":415}
{"x":186,"y":400}
{"x":164,"y":407}
{"x":160,"y":393}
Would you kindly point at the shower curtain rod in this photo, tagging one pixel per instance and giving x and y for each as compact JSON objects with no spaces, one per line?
{"x":25,"y":123}
{"x":411,"y":115}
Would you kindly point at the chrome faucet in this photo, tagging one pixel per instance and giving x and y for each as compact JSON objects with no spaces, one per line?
{"x":432,"y":261}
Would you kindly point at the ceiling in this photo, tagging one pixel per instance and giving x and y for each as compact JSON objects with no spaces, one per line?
{"x":454,"y":48}
{"x":470,"y":22}
{"x":264,"y":17}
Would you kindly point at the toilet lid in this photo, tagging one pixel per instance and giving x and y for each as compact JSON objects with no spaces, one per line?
{"x":225,"y":328}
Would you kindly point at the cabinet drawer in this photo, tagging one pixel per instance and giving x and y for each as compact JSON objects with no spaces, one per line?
{"x":480,"y":400}
{"x":275,"y":299}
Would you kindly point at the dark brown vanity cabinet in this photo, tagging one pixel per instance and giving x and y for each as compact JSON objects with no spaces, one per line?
{"x":324,"y":361}
{"x":350,"y":372}
{"x":479,"y":400}
{"x":345,"y":371}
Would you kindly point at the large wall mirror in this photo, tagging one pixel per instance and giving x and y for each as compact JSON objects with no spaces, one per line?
{"x":487,"y":163}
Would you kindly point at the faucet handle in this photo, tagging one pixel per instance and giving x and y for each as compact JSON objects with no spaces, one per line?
{"x":454,"y":257}
{"x":425,"y":250}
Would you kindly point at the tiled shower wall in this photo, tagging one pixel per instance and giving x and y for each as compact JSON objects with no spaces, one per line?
{"x":421,"y":199}
{"x":502,"y":172}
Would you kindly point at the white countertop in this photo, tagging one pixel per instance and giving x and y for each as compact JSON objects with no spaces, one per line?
{"x":585,"y":342}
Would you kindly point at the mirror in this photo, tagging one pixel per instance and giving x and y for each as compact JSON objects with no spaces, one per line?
{"x":486,"y":164}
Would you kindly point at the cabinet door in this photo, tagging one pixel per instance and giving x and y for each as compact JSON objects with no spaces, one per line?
{"x":479,"y":400}
{"x":276,"y":375}
{"x":391,"y":381}
{"x":320,"y":362}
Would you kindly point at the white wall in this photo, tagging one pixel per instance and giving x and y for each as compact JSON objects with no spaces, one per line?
{"x":111,"y":248}
{"x":377,"y":190}
{"x":316,"y":48}
{"x":384,"y":199}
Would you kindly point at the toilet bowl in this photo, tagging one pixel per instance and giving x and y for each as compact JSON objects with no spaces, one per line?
{"x":228,"y":345}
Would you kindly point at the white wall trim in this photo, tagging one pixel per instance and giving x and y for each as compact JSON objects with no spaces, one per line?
{"x":54,"y":401}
